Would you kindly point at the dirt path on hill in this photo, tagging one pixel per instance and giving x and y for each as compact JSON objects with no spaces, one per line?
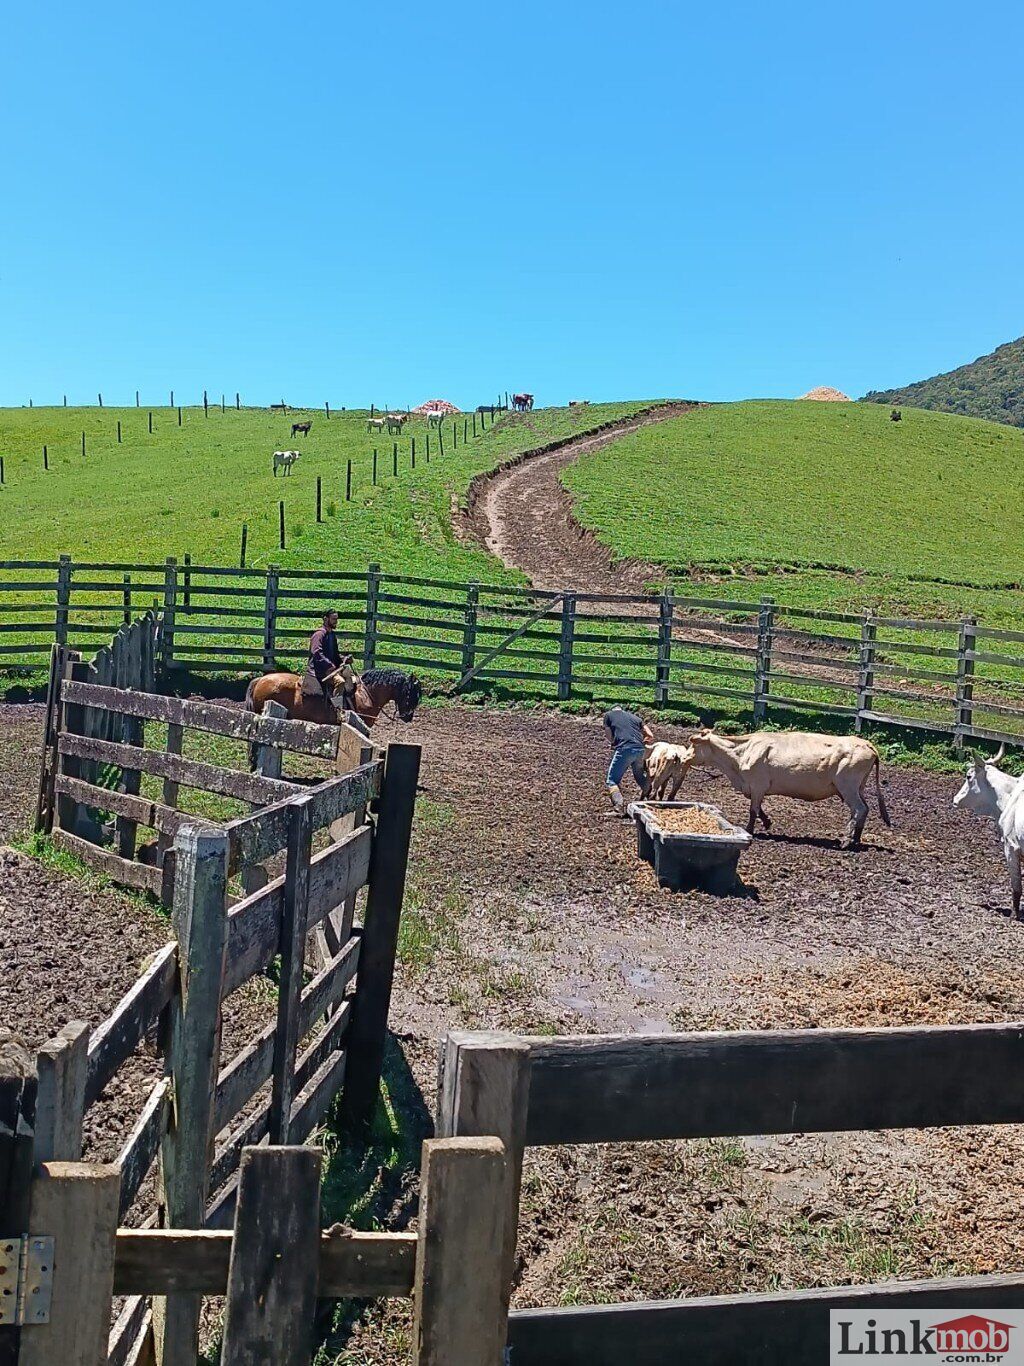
{"x":523,"y":515}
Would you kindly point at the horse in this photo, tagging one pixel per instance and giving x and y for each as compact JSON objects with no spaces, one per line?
{"x":302,"y":427}
{"x":376,"y":688}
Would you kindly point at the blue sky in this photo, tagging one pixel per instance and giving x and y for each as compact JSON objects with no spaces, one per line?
{"x":389,"y":203}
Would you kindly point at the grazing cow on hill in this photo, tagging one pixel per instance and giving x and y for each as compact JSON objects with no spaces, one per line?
{"x":522,"y":403}
{"x":896,"y":415}
{"x":989,"y":792}
{"x":665,"y":766}
{"x":284,"y":460}
{"x":375,"y":424}
{"x":579,"y":403}
{"x":302,"y":427}
{"x":795,"y":764}
{"x":434,"y":419}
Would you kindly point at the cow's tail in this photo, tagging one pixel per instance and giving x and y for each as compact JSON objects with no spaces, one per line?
{"x":883,"y":810}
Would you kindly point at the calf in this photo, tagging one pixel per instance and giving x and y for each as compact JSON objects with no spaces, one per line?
{"x":284,"y":460}
{"x":375,"y":424}
{"x":988,"y":791}
{"x":665,"y":766}
{"x":795,"y":764}
{"x":302,"y":427}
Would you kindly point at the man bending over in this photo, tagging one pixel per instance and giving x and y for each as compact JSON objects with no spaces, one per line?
{"x":628,"y":733}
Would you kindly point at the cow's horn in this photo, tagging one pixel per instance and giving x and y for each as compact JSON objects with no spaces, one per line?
{"x":1000,"y":754}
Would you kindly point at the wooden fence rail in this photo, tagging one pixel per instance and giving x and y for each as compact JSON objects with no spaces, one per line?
{"x":622,"y":1088}
{"x":272,"y":1266}
{"x":758,"y":658}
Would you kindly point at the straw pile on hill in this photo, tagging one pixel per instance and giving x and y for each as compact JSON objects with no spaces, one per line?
{"x":436,"y":405}
{"x":825,"y":394}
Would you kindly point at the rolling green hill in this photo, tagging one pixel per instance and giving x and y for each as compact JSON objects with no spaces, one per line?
{"x":190,"y":488}
{"x":991,"y":387}
{"x":821,"y":504}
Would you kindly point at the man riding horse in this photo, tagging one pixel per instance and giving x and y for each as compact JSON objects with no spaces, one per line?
{"x":326,"y":663}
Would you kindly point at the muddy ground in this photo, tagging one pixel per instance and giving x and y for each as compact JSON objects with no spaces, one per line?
{"x":529,"y":910}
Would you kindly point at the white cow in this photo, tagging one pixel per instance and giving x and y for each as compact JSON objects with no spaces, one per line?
{"x":989,"y":792}
{"x":284,"y":460}
{"x":435,"y":419}
{"x":375,"y":424}
{"x":665,"y":766}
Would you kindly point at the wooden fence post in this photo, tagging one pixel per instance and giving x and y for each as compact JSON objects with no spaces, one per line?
{"x":866,"y":671}
{"x":484,"y":1090}
{"x":62,"y":1065}
{"x":565,"y":645}
{"x":200,"y":921}
{"x":75,"y":1203}
{"x":71,"y":717}
{"x":319,"y":500}
{"x":460,"y":1302}
{"x":662,"y":672}
{"x":385,"y":890}
{"x":370,"y":626}
{"x":60,"y":625}
{"x":275,"y":1254}
{"x":294,"y":912}
{"x":270,"y":619}
{"x":17,"y":1121}
{"x":763,"y":659}
{"x":170,"y":604}
{"x":126,"y":599}
{"x":469,"y":627}
{"x":186,"y":595}
{"x":966,"y":645}
{"x":268,"y":760}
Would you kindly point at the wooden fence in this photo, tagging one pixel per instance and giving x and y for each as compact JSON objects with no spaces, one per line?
{"x":628,"y":1088}
{"x":200,"y":1107}
{"x":272,"y":1266}
{"x":755,"y":659}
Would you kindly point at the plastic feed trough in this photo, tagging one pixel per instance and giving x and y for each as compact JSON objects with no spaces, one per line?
{"x":689,"y":860}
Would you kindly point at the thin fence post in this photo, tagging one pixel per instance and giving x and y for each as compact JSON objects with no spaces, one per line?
{"x":866,"y":670}
{"x":319,"y":500}
{"x":179,"y":417}
{"x":170,"y":606}
{"x":385,"y":891}
{"x":206,"y":406}
{"x":484,"y":1091}
{"x":199,"y":919}
{"x":966,"y":645}
{"x":119,"y":431}
{"x":763,"y":659}
{"x":83,"y":443}
{"x":394,"y":459}
{"x":348,"y":482}
{"x":662,"y":668}
{"x":295,"y":907}
{"x":327,"y":410}
{"x":245,"y":537}
{"x":270,"y":618}
{"x":280,"y":524}
{"x":150,"y":425}
{"x":375,"y":465}
{"x":126,"y":598}
{"x":275,"y":1259}
{"x":460,"y":1303}
{"x":238,"y":402}
{"x":565,"y":646}
{"x":412,"y":452}
{"x":370,"y":627}
{"x":428,"y":448}
{"x":469,"y":627}
{"x":60,"y":625}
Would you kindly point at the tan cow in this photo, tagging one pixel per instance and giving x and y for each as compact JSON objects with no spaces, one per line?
{"x":665,"y":766}
{"x":795,"y":764}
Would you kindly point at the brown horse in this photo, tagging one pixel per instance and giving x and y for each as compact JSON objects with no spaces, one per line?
{"x":376,"y":688}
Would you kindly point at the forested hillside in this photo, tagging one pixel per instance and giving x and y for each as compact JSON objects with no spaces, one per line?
{"x":991,"y":386}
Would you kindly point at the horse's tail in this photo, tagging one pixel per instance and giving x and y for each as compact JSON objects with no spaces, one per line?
{"x":250,"y":691}
{"x":882,"y":808}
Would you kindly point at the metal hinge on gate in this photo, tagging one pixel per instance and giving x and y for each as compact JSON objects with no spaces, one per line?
{"x":26,"y":1279}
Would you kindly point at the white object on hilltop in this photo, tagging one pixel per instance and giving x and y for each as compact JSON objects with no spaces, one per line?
{"x":825,"y":394}
{"x":436,"y":405}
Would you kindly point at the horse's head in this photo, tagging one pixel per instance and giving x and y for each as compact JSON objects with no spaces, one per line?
{"x":410,"y":700}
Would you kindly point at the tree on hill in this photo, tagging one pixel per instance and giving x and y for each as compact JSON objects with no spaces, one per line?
{"x":991,"y":386}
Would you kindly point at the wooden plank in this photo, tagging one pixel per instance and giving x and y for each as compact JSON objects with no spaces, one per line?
{"x":389,"y":859}
{"x":294,"y":915}
{"x":62,"y":1066}
{"x":17,"y":1119}
{"x":621,"y":1088}
{"x":124,"y":871}
{"x":123,"y":1030}
{"x":254,"y":924}
{"x":787,"y":1329}
{"x":75,"y":1203}
{"x":140,"y":809}
{"x":143,"y":1144}
{"x":251,"y":1068}
{"x":257,"y":837}
{"x":200,"y":923}
{"x":311,"y":1061}
{"x":461,"y":1302}
{"x":168,"y":1261}
{"x":247,"y":787}
{"x":125,"y":1333}
{"x":484,"y":1088}
{"x":304,"y":737}
{"x":314,"y":1101}
{"x":272,"y":1277}
{"x":503,"y":644}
